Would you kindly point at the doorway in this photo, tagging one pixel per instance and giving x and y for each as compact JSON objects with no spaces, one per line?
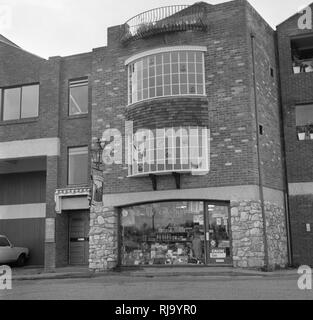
{"x":218,"y":235}
{"x":79,"y":238}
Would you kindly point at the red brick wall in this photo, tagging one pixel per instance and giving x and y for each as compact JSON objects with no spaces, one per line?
{"x":296,"y":89}
{"x":229,"y":105}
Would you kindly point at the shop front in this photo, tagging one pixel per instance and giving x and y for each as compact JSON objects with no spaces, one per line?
{"x":175,"y":233}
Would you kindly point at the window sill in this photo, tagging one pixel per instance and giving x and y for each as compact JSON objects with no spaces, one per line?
{"x":19,"y":121}
{"x":187,"y":96}
{"x":77,"y":116}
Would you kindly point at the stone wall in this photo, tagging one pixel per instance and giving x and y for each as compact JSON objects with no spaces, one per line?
{"x":276,"y":235}
{"x":103,"y":238}
{"x":247,"y":235}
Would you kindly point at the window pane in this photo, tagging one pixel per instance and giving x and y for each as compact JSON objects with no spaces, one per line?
{"x":183,"y":78}
{"x":78,"y":166}
{"x":200,"y":89}
{"x":183,"y":89}
{"x":175,"y":79}
{"x":159,"y":59}
{"x":11,"y":105}
{"x":191,"y":67}
{"x":79,"y":97}
{"x":175,"y":68}
{"x":175,"y":89}
{"x":159,"y":80}
{"x":167,"y":79}
{"x":304,"y":115}
{"x":199,"y":57}
{"x":167,"y":69}
{"x":199,"y":68}
{"x":192,"y":89}
{"x":166,"y":58}
{"x":30,"y":101}
{"x":159,"y":91}
{"x":174,"y":57}
{"x":4,"y":242}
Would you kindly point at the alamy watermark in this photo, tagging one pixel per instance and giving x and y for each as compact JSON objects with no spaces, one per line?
{"x":305,"y":280}
{"x":305,"y":20}
{"x":5,"y":278}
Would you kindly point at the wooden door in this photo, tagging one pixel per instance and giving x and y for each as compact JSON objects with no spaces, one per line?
{"x":79,"y":238}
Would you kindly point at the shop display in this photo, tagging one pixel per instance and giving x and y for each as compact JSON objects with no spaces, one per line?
{"x":173,"y":233}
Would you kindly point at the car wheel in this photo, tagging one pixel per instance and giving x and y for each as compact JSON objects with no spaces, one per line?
{"x":21,"y":260}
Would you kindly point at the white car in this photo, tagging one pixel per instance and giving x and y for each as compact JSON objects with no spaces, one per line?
{"x":11,"y":254}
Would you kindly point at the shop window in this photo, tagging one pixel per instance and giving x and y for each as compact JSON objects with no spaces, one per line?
{"x":302,"y":54}
{"x":304,"y":122}
{"x":78,"y":97}
{"x":175,"y":233}
{"x":166,"y":74}
{"x":19,"y":102}
{"x":78,"y":166}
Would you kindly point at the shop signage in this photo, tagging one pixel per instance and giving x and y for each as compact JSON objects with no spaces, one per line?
{"x":217,"y":254}
{"x":97,"y":186}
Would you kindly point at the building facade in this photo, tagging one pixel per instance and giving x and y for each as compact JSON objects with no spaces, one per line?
{"x":166,"y":147}
{"x":295,"y":46}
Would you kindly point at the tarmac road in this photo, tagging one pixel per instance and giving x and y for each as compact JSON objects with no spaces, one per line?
{"x":122,"y":287}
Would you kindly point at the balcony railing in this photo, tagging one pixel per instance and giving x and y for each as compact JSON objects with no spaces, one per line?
{"x":165,"y":19}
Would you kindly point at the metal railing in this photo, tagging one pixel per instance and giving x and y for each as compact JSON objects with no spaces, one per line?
{"x":164,"y":19}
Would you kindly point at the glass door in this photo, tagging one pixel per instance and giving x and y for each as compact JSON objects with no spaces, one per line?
{"x":218,"y":240}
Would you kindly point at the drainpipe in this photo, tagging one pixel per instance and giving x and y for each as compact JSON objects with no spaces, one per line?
{"x":286,"y":193}
{"x":261,"y":192}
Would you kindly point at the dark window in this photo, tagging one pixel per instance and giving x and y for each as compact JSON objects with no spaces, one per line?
{"x":261,"y":131}
{"x":4,"y":242}
{"x":19,"y":103}
{"x":272,"y":72}
{"x":302,"y":54}
{"x":78,"y":100}
{"x":78,"y":166}
{"x":304,"y":122}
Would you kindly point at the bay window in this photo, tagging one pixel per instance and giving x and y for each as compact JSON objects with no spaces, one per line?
{"x":166,"y":72}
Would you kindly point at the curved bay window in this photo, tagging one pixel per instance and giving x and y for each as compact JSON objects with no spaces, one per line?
{"x":175,"y":233}
{"x":166,"y":72}
{"x":166,"y":150}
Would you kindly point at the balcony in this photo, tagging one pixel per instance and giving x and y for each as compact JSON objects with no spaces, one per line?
{"x":165,"y":19}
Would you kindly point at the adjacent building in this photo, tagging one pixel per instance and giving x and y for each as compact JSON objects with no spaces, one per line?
{"x":176,"y":144}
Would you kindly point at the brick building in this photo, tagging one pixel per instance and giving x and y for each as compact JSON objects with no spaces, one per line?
{"x":186,"y":102}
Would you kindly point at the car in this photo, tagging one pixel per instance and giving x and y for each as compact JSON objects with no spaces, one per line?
{"x":10,"y":254}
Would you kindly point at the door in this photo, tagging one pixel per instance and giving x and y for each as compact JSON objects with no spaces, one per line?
{"x":78,"y":238}
{"x":218,"y":240}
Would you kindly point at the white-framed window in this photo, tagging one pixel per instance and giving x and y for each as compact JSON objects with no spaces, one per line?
{"x":19,"y":102}
{"x":78,"y":97}
{"x":175,"y":71}
{"x":166,"y":150}
{"x":77,"y":165}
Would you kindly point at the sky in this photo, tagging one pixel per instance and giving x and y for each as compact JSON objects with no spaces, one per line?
{"x":65,"y":27}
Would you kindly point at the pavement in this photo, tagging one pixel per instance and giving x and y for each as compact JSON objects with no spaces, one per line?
{"x":39,"y":273}
{"x":216,"y":284}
